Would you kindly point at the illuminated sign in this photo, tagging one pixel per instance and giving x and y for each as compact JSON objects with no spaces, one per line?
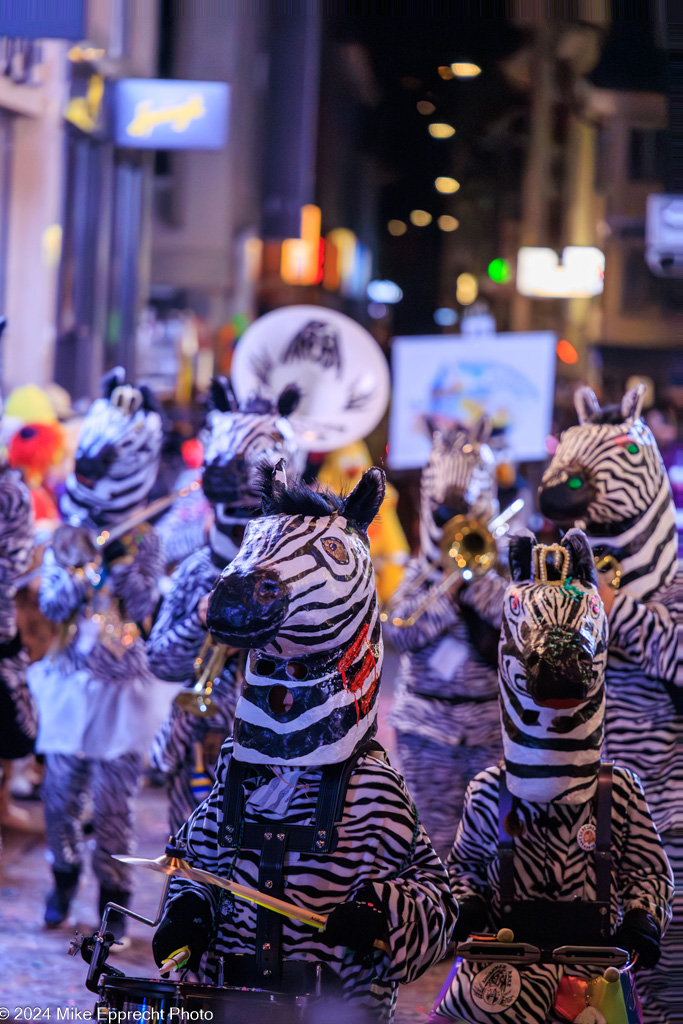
{"x":165,"y":114}
{"x":540,"y":274}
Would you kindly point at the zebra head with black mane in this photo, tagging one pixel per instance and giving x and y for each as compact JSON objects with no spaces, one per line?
{"x":552,"y":657}
{"x":117,"y":459}
{"x":459,"y":479}
{"x":607,"y":477}
{"x":238,"y":443}
{"x":300,"y":596}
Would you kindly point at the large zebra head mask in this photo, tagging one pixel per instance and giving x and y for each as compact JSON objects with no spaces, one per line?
{"x":237,"y":445}
{"x":300,"y":596}
{"x":459,"y":479}
{"x":607,"y":477}
{"x":117,"y":459}
{"x":552,"y":658}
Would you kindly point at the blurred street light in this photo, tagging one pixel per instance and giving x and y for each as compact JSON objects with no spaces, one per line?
{"x":467,"y":289}
{"x":384,"y":292}
{"x":445,"y":316}
{"x":397,"y":227}
{"x":446,"y":72}
{"x":441,"y":131}
{"x":448,"y":223}
{"x":425,"y":107}
{"x":463,"y":69}
{"x":420,"y":218}
{"x":566,"y":352}
{"x":500,"y":271}
{"x":448,"y":185}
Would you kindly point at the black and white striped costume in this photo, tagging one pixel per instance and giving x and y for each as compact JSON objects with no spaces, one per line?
{"x":93,"y":688}
{"x":552,"y":664}
{"x":18,"y":719}
{"x":237,"y":444}
{"x":608,"y":476}
{"x":304,"y":581}
{"x":445,"y":710}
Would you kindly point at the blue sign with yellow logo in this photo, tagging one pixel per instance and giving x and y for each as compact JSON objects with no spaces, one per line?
{"x":151,"y":113}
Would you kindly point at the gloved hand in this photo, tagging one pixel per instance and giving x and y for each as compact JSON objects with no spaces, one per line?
{"x":358,"y":923}
{"x":187,"y":922}
{"x":472,"y":917}
{"x":639,"y":933}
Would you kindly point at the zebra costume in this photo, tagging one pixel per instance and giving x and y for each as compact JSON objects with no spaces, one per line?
{"x":607,"y":475}
{"x":237,"y":444}
{"x":18,"y":719}
{"x":93,"y":689}
{"x":301,"y":593}
{"x":445,"y":710}
{"x":524,"y":854}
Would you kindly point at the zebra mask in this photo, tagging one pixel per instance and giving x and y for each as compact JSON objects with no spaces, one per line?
{"x":608,"y":478}
{"x":552,"y":657}
{"x":300,"y":596}
{"x":459,"y":479}
{"x":117,"y":459}
{"x":237,"y":444}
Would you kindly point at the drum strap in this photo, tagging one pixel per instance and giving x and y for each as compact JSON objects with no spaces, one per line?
{"x":274,"y":839}
{"x":602,"y":855}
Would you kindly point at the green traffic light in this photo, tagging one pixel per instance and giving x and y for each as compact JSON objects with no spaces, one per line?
{"x":500,"y":271}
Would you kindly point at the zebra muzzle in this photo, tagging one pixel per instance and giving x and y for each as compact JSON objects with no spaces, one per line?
{"x":569,"y":499}
{"x":247,"y":611}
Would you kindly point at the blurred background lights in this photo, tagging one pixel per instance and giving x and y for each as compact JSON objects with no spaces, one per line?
{"x":446,"y":72}
{"x":467,"y":289}
{"x":384,"y":292}
{"x":463,"y":69}
{"x":420,"y":218}
{"x":500,"y":271}
{"x":377,"y":310}
{"x":448,"y":223}
{"x":440,"y":130}
{"x":445,"y":316}
{"x":425,"y":107}
{"x":445,"y":184}
{"x":397,"y":227}
{"x":566,"y":352}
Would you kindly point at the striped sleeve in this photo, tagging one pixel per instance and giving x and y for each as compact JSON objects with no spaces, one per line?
{"x":644,"y":877}
{"x":178,"y":634}
{"x":476,"y":841}
{"x":420,"y":909}
{"x":643,"y":634}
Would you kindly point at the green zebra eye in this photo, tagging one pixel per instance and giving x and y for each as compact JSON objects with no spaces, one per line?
{"x":632,"y":448}
{"x":575,"y":482}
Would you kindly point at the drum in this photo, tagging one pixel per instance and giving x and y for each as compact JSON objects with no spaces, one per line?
{"x":127,"y":1000}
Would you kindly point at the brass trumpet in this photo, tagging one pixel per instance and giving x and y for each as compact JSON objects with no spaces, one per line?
{"x":605,"y":563}
{"x":468,"y":548}
{"x":208,"y":665}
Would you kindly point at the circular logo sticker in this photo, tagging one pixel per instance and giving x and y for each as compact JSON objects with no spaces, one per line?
{"x":496,"y":987}
{"x":586,"y":836}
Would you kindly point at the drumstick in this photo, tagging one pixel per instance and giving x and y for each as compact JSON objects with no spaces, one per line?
{"x":176,"y":960}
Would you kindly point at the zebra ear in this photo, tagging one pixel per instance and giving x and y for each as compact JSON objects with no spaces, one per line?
{"x":149,"y":399}
{"x":519,"y":554}
{"x":363,"y":503}
{"x":279,"y":476}
{"x":632,"y":402}
{"x":273,"y":483}
{"x":582,"y":561}
{"x":586,"y":404}
{"x":288,"y":400}
{"x":430,"y":427}
{"x":222,"y":396}
{"x":481,"y":431}
{"x":112,"y":380}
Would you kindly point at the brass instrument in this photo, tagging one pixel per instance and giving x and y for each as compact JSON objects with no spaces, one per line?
{"x":208,"y":665}
{"x":608,"y":563}
{"x":106,"y":537}
{"x":468,"y":548}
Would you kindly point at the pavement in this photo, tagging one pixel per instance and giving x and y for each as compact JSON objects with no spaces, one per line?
{"x":39,"y":981}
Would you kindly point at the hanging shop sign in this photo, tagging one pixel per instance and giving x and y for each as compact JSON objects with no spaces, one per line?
{"x":164,"y":114}
{"x":579,"y":274}
{"x":42,"y":19}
